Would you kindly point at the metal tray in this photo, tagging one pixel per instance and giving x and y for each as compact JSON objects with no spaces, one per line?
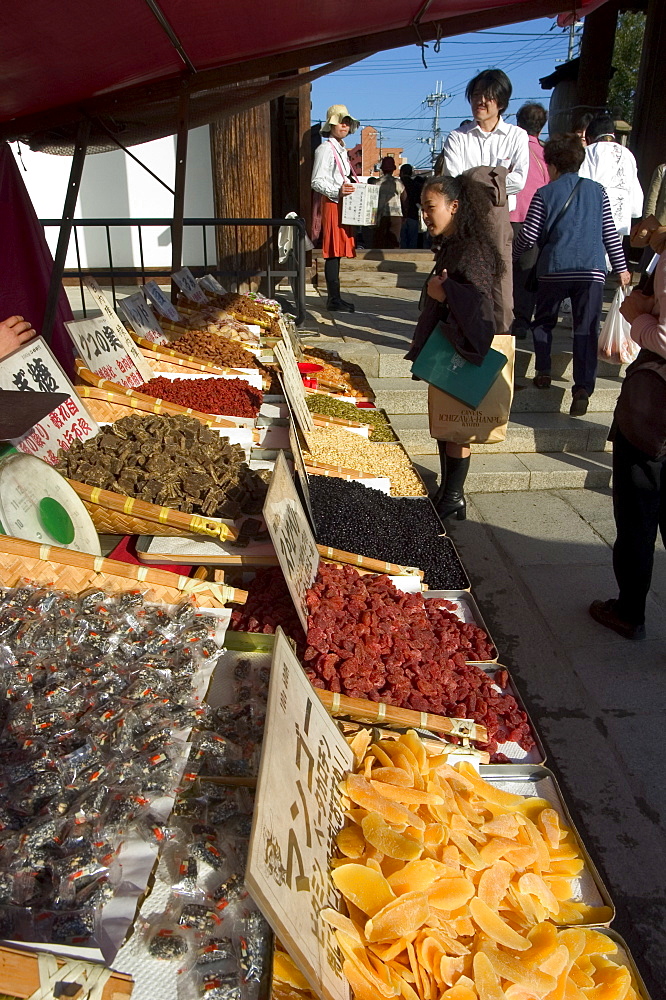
{"x":624,"y":957}
{"x":468,"y":611}
{"x":516,"y":754}
{"x":535,"y":780}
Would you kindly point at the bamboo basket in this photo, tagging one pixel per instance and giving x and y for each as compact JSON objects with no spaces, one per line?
{"x":212,"y":419}
{"x":363,"y":710}
{"x":114,"y":513}
{"x":77,"y":572}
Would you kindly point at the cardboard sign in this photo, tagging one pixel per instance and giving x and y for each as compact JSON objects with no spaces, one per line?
{"x":360,"y":207}
{"x":296,"y":818}
{"x":33,"y":368}
{"x":187,"y":284}
{"x":291,"y":536}
{"x":161,"y":301}
{"x":212,"y":284}
{"x":138,"y":313}
{"x":108,"y":355}
{"x":289,"y":335}
{"x":293,"y":386}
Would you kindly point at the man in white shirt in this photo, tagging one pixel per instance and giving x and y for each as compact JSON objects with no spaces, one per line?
{"x":489,"y":141}
{"x":614,"y":167}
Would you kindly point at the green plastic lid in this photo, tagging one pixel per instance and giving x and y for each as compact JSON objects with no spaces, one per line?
{"x":55,"y":520}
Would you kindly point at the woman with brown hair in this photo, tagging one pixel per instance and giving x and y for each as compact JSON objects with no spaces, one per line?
{"x":333,"y":179}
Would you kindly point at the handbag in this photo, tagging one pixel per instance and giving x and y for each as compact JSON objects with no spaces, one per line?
{"x":640,"y":413}
{"x":532,"y":279}
{"x":440,"y":365}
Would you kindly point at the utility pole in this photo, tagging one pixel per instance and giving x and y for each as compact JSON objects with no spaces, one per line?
{"x":434,"y":141}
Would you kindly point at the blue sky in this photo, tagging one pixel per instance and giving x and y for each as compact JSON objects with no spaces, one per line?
{"x":387,"y":89}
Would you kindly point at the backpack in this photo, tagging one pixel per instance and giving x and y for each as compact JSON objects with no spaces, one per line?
{"x":640,"y":413}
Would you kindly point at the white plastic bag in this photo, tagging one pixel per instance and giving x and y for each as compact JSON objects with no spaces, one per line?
{"x":615,"y":344}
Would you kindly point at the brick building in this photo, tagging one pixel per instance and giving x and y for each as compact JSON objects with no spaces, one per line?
{"x":366,"y":155}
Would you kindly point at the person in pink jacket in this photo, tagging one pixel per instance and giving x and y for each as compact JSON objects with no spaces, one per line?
{"x":639,"y":483}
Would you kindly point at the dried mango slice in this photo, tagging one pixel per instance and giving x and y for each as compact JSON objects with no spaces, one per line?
{"x":486,"y":791}
{"x":502,"y":826}
{"x":548,"y":822}
{"x":449,"y":969}
{"x":543,"y":942}
{"x":597,"y":943}
{"x":429,"y":951}
{"x":514,"y":992}
{"x":433,"y":834}
{"x":497,"y":929}
{"x":384,"y":839}
{"x":513,"y":968}
{"x":486,"y":980}
{"x":361,"y":988}
{"x":533,"y":806}
{"x":398,"y":946}
{"x":560,"y":887}
{"x":574,"y":939}
{"x":364,"y":887}
{"x":393,"y":775}
{"x":399,"y":918}
{"x":580,"y":913}
{"x":496,"y":849}
{"x":363,"y":794}
{"x":610,"y":984}
{"x":521,"y":857}
{"x":342,"y":923}
{"x":494,"y":882}
{"x":467,"y":848}
{"x":574,"y":867}
{"x":381,"y":755}
{"x":408,"y":796}
{"x":533,"y":885}
{"x":556,"y":963}
{"x":459,"y":992}
{"x":350,"y":842}
{"x":536,"y":840}
{"x":359,"y":744}
{"x":411,"y":740}
{"x":358,"y":957}
{"x":417,"y":876}
{"x":450,"y":893}
{"x":285,"y":970}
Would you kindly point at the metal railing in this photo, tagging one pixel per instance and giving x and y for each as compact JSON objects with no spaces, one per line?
{"x":272,"y":271}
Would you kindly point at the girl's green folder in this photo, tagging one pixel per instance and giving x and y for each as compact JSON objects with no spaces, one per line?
{"x":440,"y":364}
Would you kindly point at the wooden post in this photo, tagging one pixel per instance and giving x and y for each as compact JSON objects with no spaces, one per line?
{"x":596,"y":56}
{"x":241,"y":152}
{"x":649,"y":124}
{"x":179,"y":188}
{"x":291,"y":153}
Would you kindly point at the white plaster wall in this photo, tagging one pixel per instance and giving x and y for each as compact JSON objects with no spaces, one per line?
{"x":115,"y":186}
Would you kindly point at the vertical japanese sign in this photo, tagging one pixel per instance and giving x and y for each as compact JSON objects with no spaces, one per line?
{"x":299,"y":465}
{"x":161,"y":301}
{"x":293,"y":386}
{"x":211,"y":284}
{"x":296,"y":818}
{"x":291,"y":536}
{"x":33,"y":368}
{"x":187,"y":284}
{"x":138,"y":313}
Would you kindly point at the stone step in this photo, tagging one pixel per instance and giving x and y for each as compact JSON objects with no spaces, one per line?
{"x":526,"y":433}
{"x":502,"y":473}
{"x":561,"y":364}
{"x":403,"y":395}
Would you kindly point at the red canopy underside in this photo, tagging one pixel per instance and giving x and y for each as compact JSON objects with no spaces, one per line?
{"x":55,"y":54}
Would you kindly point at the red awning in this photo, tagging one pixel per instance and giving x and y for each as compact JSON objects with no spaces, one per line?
{"x":54,"y":55}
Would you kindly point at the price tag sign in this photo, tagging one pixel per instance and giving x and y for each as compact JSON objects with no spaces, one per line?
{"x":187,"y":284}
{"x":297,"y":816}
{"x":108,"y":355}
{"x":33,"y":368}
{"x":291,"y":536}
{"x":360,"y":207}
{"x":289,"y":335}
{"x":162,"y":302}
{"x":138,"y":313}
{"x":212,"y":284}
{"x":293,"y":386}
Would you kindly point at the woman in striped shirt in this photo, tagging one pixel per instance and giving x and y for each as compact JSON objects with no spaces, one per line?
{"x":571,"y":222}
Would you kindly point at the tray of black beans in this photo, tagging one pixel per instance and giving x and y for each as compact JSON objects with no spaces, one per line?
{"x":401,"y":530}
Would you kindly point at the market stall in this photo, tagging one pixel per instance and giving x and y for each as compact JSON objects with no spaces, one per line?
{"x":304,"y":769}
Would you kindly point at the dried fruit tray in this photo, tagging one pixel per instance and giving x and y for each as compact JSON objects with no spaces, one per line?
{"x":626,"y":958}
{"x":536,"y":781}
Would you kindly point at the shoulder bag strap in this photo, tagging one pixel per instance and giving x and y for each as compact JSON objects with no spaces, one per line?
{"x":341,"y":164}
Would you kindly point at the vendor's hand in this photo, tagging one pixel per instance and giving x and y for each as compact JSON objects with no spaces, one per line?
{"x":14,"y":332}
{"x":636,"y":304}
{"x":435,"y":287}
{"x":624,"y":278}
{"x":346,"y":189}
{"x":658,"y":240}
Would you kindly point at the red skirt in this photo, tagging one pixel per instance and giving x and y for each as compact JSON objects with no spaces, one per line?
{"x":336,"y":239}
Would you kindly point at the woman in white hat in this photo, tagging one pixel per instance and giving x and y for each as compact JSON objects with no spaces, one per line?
{"x":333,"y":177}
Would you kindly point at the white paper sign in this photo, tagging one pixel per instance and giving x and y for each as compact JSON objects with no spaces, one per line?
{"x":33,"y":368}
{"x":291,"y":536}
{"x":212,"y":284}
{"x":299,"y":465}
{"x":108,"y":355}
{"x":293,"y":386}
{"x":142,"y":319}
{"x":297,"y":816}
{"x":187,"y":284}
{"x":161,"y":301}
{"x":360,"y":207}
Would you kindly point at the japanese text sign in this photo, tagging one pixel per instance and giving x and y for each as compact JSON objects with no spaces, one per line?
{"x":297,"y":815}
{"x":187,"y":284}
{"x":293,"y":385}
{"x":107,"y":355}
{"x":161,"y":301}
{"x":360,"y":207}
{"x":212,"y":284}
{"x":299,"y":465}
{"x":142,"y":319}
{"x":291,"y":536}
{"x":33,"y":368}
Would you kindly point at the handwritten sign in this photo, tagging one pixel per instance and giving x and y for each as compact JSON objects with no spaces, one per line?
{"x":161,"y":301}
{"x":211,"y":284}
{"x":107,"y":355}
{"x":296,"y":818}
{"x":293,"y":386}
{"x":187,"y":284}
{"x":33,"y":368}
{"x":360,"y":207}
{"x":289,"y":335}
{"x":140,"y":316}
{"x":299,"y":465}
{"x":291,"y":536}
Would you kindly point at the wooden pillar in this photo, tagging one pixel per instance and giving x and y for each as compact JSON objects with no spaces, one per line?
{"x":291,"y":153}
{"x":596,"y":57}
{"x":241,"y":154}
{"x":649,"y":123}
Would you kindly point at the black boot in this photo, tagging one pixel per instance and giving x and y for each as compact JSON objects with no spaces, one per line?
{"x":332,"y":273}
{"x":452,"y":500}
{"x":441,"y":447}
